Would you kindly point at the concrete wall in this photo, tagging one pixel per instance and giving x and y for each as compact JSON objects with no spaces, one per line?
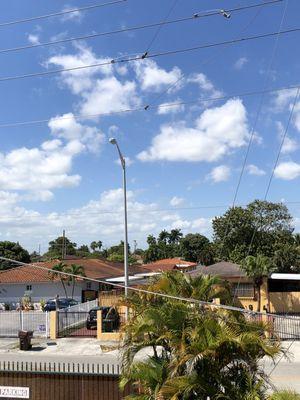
{"x":12,"y":293}
{"x":283,"y":302}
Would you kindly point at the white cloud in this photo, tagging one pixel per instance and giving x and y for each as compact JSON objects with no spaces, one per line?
{"x":33,"y":38}
{"x":82,"y":79}
{"x":92,"y":220}
{"x":220,"y":173}
{"x":217,"y":132}
{"x":240,"y":63}
{"x":69,"y":129}
{"x":109,"y":94}
{"x":166,"y":108}
{"x":128,"y":161}
{"x":254,"y":170}
{"x":283,"y":98}
{"x":176,"y":201}
{"x":289,"y":145}
{"x":154,"y":78}
{"x":205,"y":84}
{"x":75,"y":16}
{"x":287,"y":170}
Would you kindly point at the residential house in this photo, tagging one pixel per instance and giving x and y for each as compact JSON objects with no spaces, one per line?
{"x":41,"y":284}
{"x":280,"y":293}
{"x":169,"y":264}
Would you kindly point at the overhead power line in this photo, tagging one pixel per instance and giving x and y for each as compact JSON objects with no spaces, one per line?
{"x":83,"y":214}
{"x":154,"y":55}
{"x":148,"y":108}
{"x":195,"y":16}
{"x":60,"y":13}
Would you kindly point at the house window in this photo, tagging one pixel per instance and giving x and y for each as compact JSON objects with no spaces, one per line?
{"x":29,"y":287}
{"x":89,"y":285}
{"x":243,"y":290}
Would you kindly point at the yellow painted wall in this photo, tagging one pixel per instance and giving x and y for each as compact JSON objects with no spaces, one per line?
{"x":285,"y":302}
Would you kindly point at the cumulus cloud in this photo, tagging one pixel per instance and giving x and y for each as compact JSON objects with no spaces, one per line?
{"x":283,"y":98}
{"x":75,"y":16}
{"x":176,"y":201}
{"x":288,"y":170}
{"x":289,"y":145}
{"x":240,"y":63}
{"x":217,"y":132}
{"x":33,"y":38}
{"x":220,"y":173}
{"x":66,"y":127}
{"x":84,"y":223}
{"x":205,"y":84}
{"x":153,"y":78}
{"x":254,"y":170}
{"x":166,"y":108}
{"x":82,"y":79}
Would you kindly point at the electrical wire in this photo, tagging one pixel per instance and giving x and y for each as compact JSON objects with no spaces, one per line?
{"x":60,"y":13}
{"x":146,"y":108}
{"x":52,"y":215}
{"x":155,"y":36}
{"x":154,"y":55}
{"x":254,"y":126}
{"x":195,"y":16}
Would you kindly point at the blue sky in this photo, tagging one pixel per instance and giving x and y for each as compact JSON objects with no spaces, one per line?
{"x":183,"y":161}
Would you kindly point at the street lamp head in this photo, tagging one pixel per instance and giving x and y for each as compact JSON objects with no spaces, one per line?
{"x":112,"y":141}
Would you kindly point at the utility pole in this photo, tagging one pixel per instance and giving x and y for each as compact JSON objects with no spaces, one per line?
{"x":135,"y":246}
{"x":63,"y":246}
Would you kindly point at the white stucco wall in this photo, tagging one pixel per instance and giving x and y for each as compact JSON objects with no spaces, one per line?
{"x":12,"y":293}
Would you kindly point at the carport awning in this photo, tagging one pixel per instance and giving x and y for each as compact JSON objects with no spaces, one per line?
{"x":290,"y":277}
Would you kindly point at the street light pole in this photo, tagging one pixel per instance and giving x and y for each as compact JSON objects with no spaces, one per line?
{"x":123,"y":164}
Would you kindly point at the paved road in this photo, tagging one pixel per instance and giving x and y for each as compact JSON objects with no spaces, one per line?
{"x":87,"y":352}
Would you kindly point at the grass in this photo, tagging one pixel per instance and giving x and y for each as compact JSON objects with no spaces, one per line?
{"x":285,"y":395}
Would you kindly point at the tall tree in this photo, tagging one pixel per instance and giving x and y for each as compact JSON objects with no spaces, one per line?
{"x":55,"y":273}
{"x":251,"y":230}
{"x":77,"y":270}
{"x":13,"y":251}
{"x":197,"y":248}
{"x":174,"y":236}
{"x":96,"y":245}
{"x":56,"y":246}
{"x":257,"y":268}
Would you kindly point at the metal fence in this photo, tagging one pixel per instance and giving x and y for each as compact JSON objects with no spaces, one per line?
{"x":72,"y":320}
{"x":11,"y":322}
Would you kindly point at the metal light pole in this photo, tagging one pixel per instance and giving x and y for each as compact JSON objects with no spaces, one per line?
{"x":123,"y":164}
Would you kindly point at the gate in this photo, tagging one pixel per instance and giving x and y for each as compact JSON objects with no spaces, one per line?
{"x":73,"y":324}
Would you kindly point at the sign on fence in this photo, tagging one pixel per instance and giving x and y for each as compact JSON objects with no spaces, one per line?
{"x":14,"y":392}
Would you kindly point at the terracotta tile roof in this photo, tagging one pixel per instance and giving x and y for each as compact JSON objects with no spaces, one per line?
{"x":169,"y":264}
{"x":223,"y":269}
{"x":93,"y":268}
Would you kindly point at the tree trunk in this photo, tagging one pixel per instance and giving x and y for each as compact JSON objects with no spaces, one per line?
{"x":258,"y":298}
{"x":73,"y":288}
{"x":64,"y":286}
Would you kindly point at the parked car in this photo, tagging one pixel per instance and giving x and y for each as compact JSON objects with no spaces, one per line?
{"x":61,"y":304}
{"x":110,"y":319}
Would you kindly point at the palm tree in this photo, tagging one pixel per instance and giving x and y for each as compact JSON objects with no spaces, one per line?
{"x":257,"y":267}
{"x":55,"y":273}
{"x":174,"y":236}
{"x":196,"y":352}
{"x":96,"y":245}
{"x":75,"y":269}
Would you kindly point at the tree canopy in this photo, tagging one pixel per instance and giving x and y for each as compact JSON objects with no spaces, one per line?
{"x":13,"y":251}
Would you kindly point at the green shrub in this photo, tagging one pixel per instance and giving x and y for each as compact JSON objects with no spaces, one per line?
{"x":285,"y":395}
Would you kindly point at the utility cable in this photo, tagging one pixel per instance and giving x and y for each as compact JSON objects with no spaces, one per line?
{"x":143,"y":108}
{"x":60,"y":13}
{"x":254,"y":126}
{"x":154,"y":55}
{"x":195,"y":16}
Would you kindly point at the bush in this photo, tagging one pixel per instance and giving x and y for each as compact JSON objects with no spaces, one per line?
{"x":285,"y":395}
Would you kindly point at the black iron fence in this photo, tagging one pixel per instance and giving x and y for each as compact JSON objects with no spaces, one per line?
{"x":74,"y":324}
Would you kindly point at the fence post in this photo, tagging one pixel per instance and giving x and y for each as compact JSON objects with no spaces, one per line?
{"x":53,"y":325}
{"x":99,"y":324}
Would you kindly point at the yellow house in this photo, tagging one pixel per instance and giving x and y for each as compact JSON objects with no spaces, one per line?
{"x":280,"y":293}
